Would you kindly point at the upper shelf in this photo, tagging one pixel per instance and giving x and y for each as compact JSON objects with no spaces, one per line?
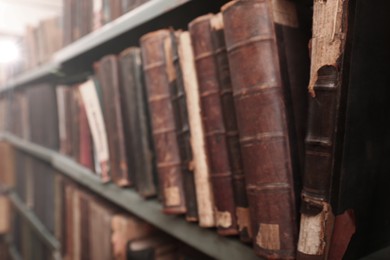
{"x":78,"y":57}
{"x":204,"y":240}
{"x":123,"y":24}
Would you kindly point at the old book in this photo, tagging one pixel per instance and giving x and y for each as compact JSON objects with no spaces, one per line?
{"x":229,"y":115}
{"x":158,"y":247}
{"x":347,"y":131}
{"x":8,"y":165}
{"x":116,"y":9}
{"x":127,"y":228}
{"x":75,"y":122}
{"x":88,"y":92}
{"x":211,"y":94}
{"x":100,"y":230}
{"x":60,"y":210}
{"x":67,"y":21}
{"x":204,"y":194}
{"x":136,"y":123}
{"x":62,"y":119}
{"x":86,"y":146}
{"x":179,"y":104}
{"x":106,"y":11}
{"x":5,"y":220}
{"x":268,"y":61}
{"x":107,"y":71}
{"x":43,"y":116}
{"x":163,"y":122}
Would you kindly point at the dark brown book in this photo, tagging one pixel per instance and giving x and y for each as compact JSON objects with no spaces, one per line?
{"x":67,"y":21}
{"x":136,"y":123}
{"x":116,"y":9}
{"x":7,"y":166}
{"x":43,"y":115}
{"x":204,"y":194}
{"x":100,"y":230}
{"x":179,"y":105}
{"x":211,"y":93}
{"x":229,"y":116}
{"x":268,"y":61}
{"x":347,"y":144}
{"x":127,"y":228}
{"x":163,"y":121}
{"x":75,"y":122}
{"x":107,"y":71}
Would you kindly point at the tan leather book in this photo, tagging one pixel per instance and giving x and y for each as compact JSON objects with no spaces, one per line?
{"x":204,"y":193}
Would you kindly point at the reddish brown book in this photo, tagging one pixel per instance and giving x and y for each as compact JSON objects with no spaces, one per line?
{"x":107,"y":72}
{"x":163,"y":122}
{"x":268,"y":65}
{"x":88,"y":92}
{"x":229,"y":116}
{"x":86,"y":145}
{"x":210,"y":89}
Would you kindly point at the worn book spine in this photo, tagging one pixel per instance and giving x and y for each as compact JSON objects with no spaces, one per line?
{"x":328,"y":45}
{"x":181,"y":120}
{"x":229,"y":115}
{"x":116,"y":9}
{"x":163,"y":122}
{"x":75,"y":123}
{"x":96,"y":124}
{"x":62,"y":127}
{"x":214,"y":124}
{"x":108,"y":75}
{"x":204,"y":193}
{"x":255,"y":32}
{"x":86,"y":146}
{"x":97,"y":14}
{"x":136,"y":122}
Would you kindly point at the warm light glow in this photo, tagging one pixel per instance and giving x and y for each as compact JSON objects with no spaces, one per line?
{"x":9,"y":51}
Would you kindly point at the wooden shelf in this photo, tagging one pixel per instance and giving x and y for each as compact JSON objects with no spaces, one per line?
{"x":204,"y":240}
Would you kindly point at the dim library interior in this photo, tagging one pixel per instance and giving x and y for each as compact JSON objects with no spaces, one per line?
{"x":179,"y":129}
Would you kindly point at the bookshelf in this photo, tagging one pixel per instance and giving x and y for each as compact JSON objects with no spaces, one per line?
{"x":206,"y":241}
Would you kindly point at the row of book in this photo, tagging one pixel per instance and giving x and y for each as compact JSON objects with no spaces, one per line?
{"x":211,"y":121}
{"x":82,"y":17}
{"x":86,"y":226}
{"x":40,"y":42}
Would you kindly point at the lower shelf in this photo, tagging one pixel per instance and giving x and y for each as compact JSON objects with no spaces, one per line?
{"x":204,"y":240}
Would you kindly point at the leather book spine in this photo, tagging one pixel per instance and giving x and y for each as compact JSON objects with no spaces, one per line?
{"x":67,"y":23}
{"x":88,"y":92}
{"x":86,"y":146}
{"x":75,"y":123}
{"x":204,"y":193}
{"x":116,"y":9}
{"x":108,"y":75}
{"x":163,"y":122}
{"x":135,"y":121}
{"x":260,"y":91}
{"x":214,"y":125}
{"x":328,"y":44}
{"x":179,"y":104}
{"x":229,"y":115}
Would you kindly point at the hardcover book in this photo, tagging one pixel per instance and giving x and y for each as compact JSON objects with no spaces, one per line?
{"x":163,"y":121}
{"x":268,"y":60}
